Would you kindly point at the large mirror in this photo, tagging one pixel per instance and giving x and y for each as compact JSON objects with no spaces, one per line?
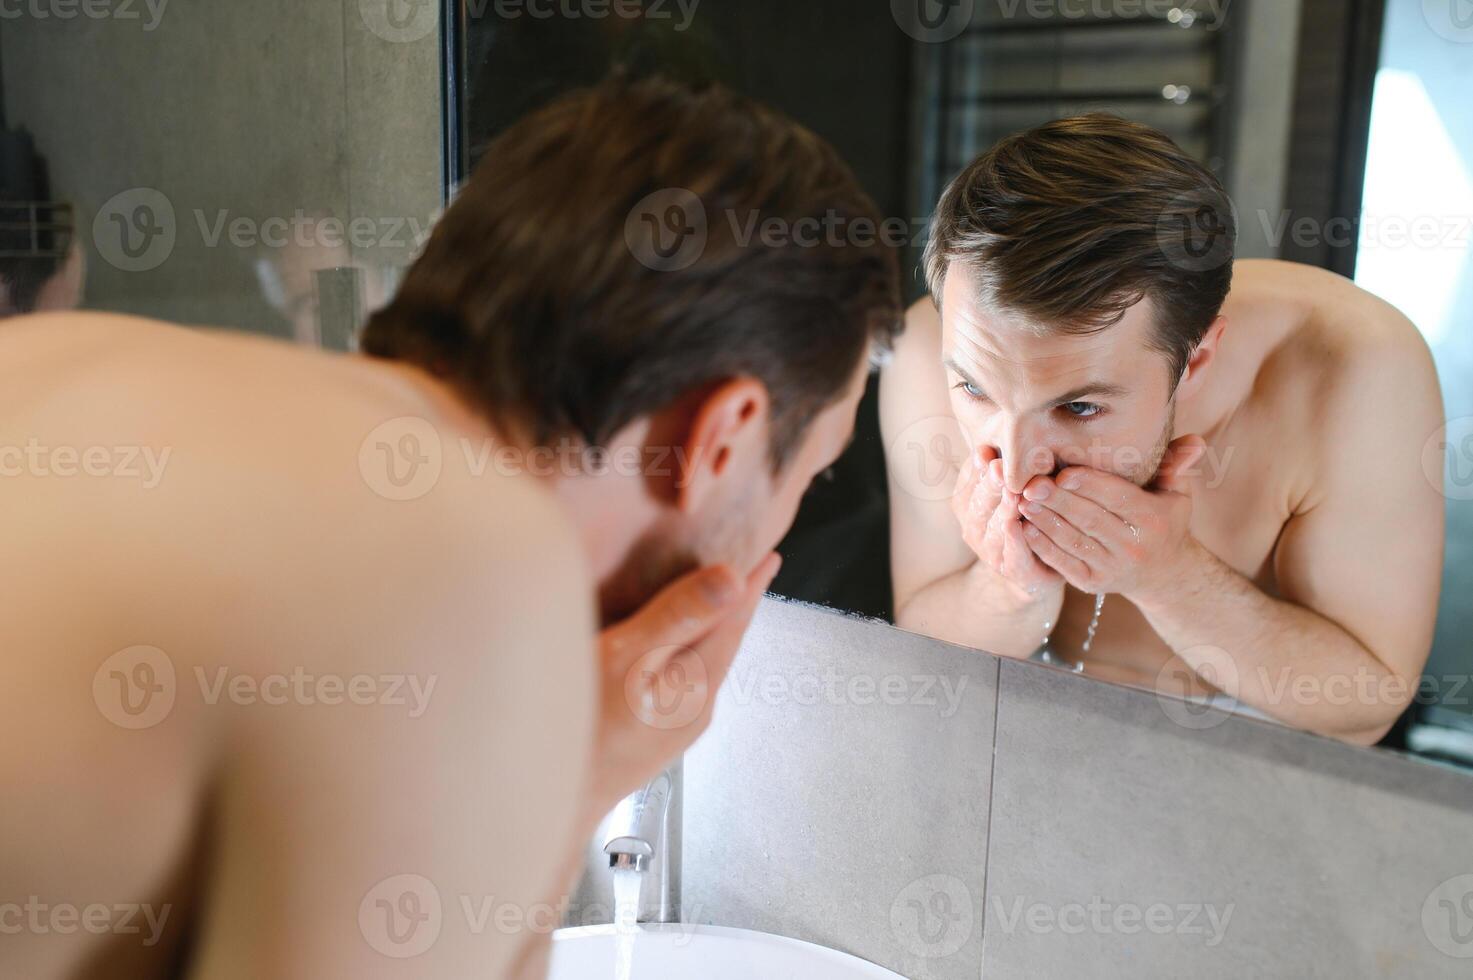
{"x":1286,"y":562}
{"x":1312,"y":560}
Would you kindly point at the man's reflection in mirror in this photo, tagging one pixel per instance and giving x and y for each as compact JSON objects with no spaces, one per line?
{"x":1176,"y":472}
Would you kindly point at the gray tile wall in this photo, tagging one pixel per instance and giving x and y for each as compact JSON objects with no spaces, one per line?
{"x":841,"y":796}
{"x":1316,"y":858}
{"x":1044,"y":825}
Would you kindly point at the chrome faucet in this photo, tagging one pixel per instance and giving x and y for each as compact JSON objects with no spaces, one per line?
{"x":644,"y":836}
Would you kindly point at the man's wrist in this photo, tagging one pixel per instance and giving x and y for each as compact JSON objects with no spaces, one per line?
{"x":1005,"y":595}
{"x":1024,"y":618}
{"x":1171,"y":580}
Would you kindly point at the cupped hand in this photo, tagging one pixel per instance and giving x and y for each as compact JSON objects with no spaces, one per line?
{"x":991,"y":523}
{"x":1104,"y":534}
{"x":660,"y":671}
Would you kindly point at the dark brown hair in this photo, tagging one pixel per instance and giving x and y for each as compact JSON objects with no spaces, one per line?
{"x":1074,"y":222}
{"x":35,"y":232}
{"x":552,"y":298}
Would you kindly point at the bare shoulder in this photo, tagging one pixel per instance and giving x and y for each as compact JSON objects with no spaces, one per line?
{"x":1325,"y":312}
{"x":426,"y":566}
{"x":1352,"y":367}
{"x":924,"y":448}
{"x":912,"y":385}
{"x":1319,"y":329}
{"x":922,"y":335}
{"x":382,"y":651}
{"x":460,"y":769}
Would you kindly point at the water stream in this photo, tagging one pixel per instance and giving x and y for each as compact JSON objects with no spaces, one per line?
{"x":627,"y":886}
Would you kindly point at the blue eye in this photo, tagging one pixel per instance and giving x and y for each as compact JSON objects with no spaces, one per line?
{"x":1082,"y":410}
{"x":972,"y":390}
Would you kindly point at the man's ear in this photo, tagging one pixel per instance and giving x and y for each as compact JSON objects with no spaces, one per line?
{"x":729,"y":433}
{"x":1191,"y":380}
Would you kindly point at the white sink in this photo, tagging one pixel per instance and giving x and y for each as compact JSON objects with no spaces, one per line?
{"x":683,"y":952}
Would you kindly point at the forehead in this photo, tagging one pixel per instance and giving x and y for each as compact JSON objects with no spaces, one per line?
{"x":997,"y":342}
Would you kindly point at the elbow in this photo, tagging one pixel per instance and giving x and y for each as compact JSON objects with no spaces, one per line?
{"x":1375,"y":724}
{"x":1368,"y":737}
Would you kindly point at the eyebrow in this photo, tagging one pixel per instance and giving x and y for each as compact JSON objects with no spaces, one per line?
{"x":1096,"y":389}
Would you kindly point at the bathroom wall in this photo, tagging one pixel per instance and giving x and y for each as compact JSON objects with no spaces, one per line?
{"x":245,"y":128}
{"x":948,"y":815}
{"x":1263,"y":111}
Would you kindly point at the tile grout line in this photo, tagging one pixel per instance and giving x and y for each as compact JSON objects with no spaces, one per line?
{"x":991,"y":794}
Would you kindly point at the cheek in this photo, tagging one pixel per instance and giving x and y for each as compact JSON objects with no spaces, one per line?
{"x":772,"y":510}
{"x":1117,"y":443}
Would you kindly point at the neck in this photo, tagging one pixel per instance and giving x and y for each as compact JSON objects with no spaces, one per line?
{"x":1212,"y":408}
{"x":614,"y":520}
{"x":610,"y":513}
{"x":605,"y":538}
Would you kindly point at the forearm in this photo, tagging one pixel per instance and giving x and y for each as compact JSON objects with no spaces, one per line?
{"x":977,"y":608}
{"x":1279,"y":657}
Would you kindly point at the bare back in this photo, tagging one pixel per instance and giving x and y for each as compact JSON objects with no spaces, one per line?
{"x":252,"y":682}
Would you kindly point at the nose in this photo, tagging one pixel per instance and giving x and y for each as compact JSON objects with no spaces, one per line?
{"x":1024,"y":453}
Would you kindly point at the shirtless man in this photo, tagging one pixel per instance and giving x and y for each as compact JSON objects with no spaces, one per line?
{"x":1232,"y":458}
{"x":303,"y":666}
